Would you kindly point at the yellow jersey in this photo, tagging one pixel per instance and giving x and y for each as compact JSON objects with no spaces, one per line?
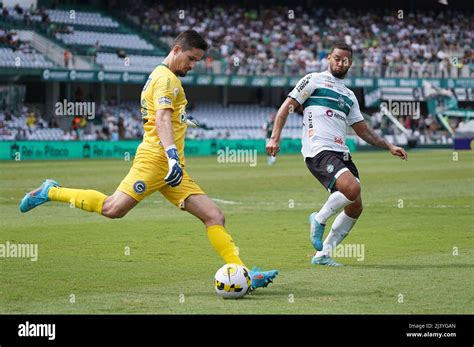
{"x":163,"y":90}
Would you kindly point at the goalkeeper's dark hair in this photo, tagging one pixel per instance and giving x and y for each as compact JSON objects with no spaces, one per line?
{"x":343,"y":46}
{"x":190,"y":39}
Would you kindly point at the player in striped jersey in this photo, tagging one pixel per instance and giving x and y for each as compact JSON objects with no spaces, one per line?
{"x":329,"y":106}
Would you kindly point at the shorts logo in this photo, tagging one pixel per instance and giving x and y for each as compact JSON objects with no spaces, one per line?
{"x":330,"y":168}
{"x":139,"y":187}
{"x":329,"y":113}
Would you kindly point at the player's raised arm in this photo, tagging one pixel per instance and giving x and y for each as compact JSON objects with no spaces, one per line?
{"x":273,"y":145}
{"x":370,"y":136}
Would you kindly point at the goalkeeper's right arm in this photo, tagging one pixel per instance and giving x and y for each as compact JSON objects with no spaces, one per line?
{"x":165,"y":132}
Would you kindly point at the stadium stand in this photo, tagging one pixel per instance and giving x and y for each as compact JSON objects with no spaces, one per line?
{"x":240,"y":121}
{"x":254,"y":41}
{"x":89,"y":34}
{"x":30,"y":59}
{"x":390,"y":46}
{"x":135,"y":63}
{"x":16,"y":53}
{"x":89,"y":38}
{"x":61,"y":16}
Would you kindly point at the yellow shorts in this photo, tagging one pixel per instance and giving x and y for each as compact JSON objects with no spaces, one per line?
{"x":147,"y":176}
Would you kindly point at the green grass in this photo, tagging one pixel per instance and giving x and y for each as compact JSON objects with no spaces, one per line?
{"x":408,"y":251}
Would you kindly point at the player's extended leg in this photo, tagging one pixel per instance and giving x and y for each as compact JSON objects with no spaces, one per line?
{"x":209,"y":213}
{"x":114,"y":206}
{"x":343,"y":223}
{"x":348,"y":189}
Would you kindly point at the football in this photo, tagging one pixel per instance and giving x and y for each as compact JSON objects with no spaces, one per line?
{"x":232,"y":281}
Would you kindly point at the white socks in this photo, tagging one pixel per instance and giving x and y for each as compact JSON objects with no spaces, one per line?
{"x":339,"y":230}
{"x":335,"y":202}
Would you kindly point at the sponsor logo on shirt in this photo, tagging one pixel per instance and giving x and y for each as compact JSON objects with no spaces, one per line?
{"x":310,"y":124}
{"x":303,"y":84}
{"x":329,"y":79}
{"x":339,"y":140}
{"x":330,"y":113}
{"x":164,"y":101}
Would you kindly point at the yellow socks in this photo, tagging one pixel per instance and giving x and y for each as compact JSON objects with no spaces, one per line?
{"x":223,"y":244}
{"x":87,"y":200}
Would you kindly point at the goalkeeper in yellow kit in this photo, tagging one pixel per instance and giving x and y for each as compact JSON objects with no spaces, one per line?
{"x":159,"y":163}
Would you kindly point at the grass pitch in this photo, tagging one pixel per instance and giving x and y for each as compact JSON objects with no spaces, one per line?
{"x":416,"y":230}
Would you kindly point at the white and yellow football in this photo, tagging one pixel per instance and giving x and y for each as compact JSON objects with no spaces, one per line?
{"x":232,"y":281}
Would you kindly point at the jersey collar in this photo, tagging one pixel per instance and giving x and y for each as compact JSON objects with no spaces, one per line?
{"x":327,"y":72}
{"x":166,"y":66}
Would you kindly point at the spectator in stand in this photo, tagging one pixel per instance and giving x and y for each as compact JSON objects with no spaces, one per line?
{"x":209,"y":64}
{"x":31,"y":120}
{"x":121,"y":129}
{"x":75,"y":127}
{"x":67,"y":55}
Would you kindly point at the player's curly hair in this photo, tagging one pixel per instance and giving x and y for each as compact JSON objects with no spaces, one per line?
{"x":190,"y":39}
{"x":343,"y":46}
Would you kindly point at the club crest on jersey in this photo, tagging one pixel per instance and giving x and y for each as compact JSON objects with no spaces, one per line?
{"x":139,"y":187}
{"x":176,"y":92}
{"x":182,"y":117}
{"x":340,"y":102}
{"x":330,"y":168}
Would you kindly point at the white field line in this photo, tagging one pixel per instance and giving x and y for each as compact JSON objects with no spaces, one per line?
{"x":274,"y":203}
